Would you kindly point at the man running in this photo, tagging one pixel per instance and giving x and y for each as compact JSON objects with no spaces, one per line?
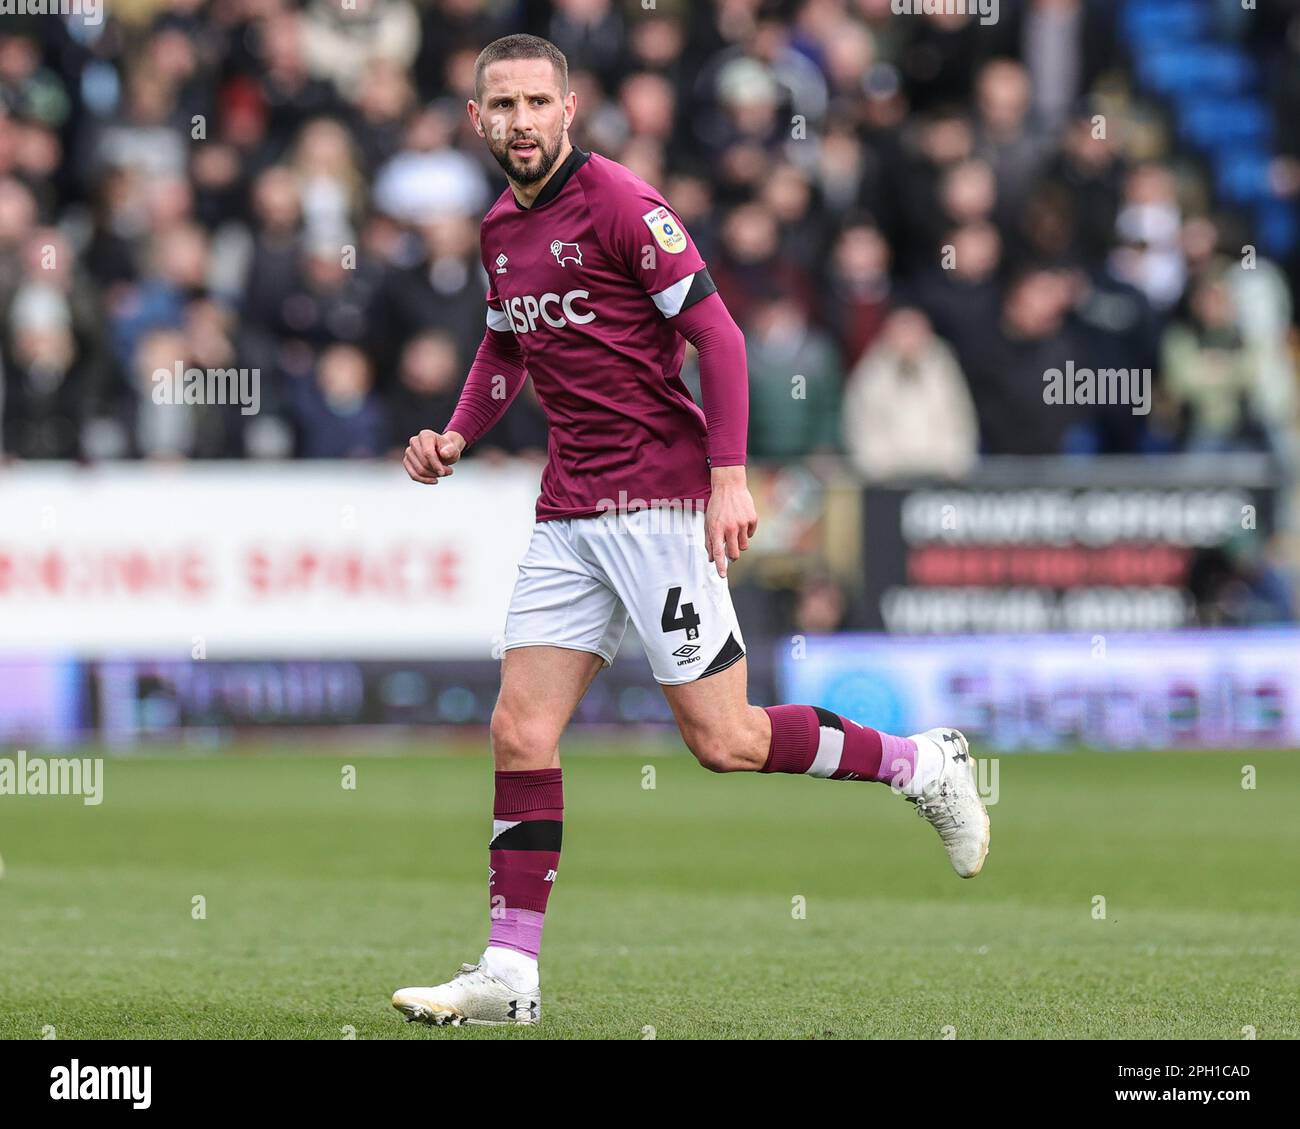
{"x":594,"y":289}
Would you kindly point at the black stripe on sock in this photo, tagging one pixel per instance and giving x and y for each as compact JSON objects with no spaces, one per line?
{"x":531,"y":835}
{"x":731,"y":653}
{"x":828,"y":719}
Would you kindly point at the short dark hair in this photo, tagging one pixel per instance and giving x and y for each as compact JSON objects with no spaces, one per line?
{"x":520,"y":47}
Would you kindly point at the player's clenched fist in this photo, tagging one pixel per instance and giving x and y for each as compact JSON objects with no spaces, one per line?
{"x":430,"y":456}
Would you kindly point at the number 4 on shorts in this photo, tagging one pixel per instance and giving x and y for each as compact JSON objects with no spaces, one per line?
{"x":672,"y":621}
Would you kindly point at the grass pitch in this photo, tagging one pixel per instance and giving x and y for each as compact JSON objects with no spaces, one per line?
{"x":706,"y":906}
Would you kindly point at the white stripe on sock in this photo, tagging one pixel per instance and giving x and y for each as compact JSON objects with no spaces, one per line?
{"x":499,"y":825}
{"x":830,"y":744}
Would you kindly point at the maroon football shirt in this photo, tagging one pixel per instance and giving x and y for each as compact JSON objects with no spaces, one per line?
{"x":587,"y":280}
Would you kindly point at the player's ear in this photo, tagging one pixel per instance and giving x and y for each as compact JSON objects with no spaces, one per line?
{"x":570,"y":108}
{"x":475,"y":117}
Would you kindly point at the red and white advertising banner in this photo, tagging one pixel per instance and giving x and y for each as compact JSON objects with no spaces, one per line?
{"x":289,"y":559}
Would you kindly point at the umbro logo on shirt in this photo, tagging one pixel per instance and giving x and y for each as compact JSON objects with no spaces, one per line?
{"x":501,"y":263}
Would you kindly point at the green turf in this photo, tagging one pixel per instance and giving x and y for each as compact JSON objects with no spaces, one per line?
{"x":673,"y":912}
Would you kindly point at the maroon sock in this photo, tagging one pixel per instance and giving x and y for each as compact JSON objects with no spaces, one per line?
{"x":524,"y":855}
{"x":816,"y":742}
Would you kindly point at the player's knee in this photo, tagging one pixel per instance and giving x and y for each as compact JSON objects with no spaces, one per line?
{"x":712,"y":748}
{"x":520,"y":742}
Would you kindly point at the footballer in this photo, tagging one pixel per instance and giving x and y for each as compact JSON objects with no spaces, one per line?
{"x":594,"y":289}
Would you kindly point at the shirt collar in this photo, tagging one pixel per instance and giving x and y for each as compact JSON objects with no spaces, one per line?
{"x":572,"y":163}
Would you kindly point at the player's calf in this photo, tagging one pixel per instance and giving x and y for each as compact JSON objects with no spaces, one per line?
{"x":729,"y":745}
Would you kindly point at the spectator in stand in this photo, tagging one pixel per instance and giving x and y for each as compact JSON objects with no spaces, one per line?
{"x":428,"y":385}
{"x":385,"y":101}
{"x":748,"y":128}
{"x":858,"y":289}
{"x":795,"y":383}
{"x":330,"y":184}
{"x":427,"y":177}
{"x":54,"y":357}
{"x":177,"y":273}
{"x":907,"y":411}
{"x":1263,"y":306}
{"x":335,"y":408}
{"x":292,"y":91}
{"x":750,"y":266}
{"x":327,"y":304}
{"x":968,"y":193}
{"x":961,"y":291}
{"x":44,"y":377}
{"x":340,"y":40}
{"x":1242,"y":584}
{"x":1211,"y":375}
{"x":591,"y":33}
{"x":788,"y":195}
{"x":936,"y":144}
{"x":1116,"y":330}
{"x":17,"y":220}
{"x":1087,"y":172}
{"x":157,"y":424}
{"x":1149,"y":225}
{"x":1007,"y":372}
{"x":648,"y":104}
{"x":271,"y":275}
{"x":441,"y":286}
{"x":1005,"y":137}
{"x":146,"y":138}
{"x":821,"y":606}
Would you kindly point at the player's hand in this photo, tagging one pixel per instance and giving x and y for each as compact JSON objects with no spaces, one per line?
{"x":430,"y":456}
{"x":730,"y":520}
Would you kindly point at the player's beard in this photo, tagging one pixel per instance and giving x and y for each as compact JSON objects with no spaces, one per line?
{"x":547,"y":156}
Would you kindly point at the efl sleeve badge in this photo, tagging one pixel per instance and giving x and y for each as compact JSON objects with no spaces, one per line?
{"x":667,"y":231}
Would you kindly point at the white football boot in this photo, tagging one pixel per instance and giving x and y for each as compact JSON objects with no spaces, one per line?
{"x":473,"y":995}
{"x":947,"y":795}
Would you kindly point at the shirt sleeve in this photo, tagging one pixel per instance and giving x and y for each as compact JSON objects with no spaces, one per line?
{"x":494,"y":380}
{"x":724,"y":378}
{"x":497,"y":319}
{"x":652,"y":244}
{"x":495,"y":377}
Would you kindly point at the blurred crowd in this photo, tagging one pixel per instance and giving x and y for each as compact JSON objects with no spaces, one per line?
{"x":915,"y":216}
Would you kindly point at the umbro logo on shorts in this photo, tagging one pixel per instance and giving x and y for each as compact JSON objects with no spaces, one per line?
{"x":685,"y":652}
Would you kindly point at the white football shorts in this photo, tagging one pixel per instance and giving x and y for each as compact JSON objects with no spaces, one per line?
{"x":581,"y":579}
